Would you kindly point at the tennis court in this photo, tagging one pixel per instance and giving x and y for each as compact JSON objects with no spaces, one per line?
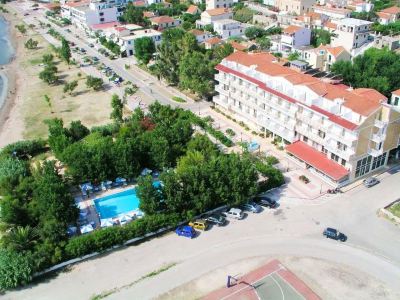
{"x":272,"y":281}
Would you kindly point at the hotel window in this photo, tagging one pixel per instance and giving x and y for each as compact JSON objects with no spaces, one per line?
{"x":324,"y":150}
{"x":343,"y":162}
{"x":363,"y":166}
{"x":305,"y":139}
{"x":378,"y":161}
{"x":321,"y":134}
{"x":334,"y":157}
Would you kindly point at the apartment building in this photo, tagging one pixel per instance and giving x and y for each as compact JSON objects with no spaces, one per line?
{"x":212,"y":4}
{"x":324,"y":57}
{"x":208,"y":17}
{"x":351,"y":33}
{"x":85,"y":13}
{"x":228,"y":28}
{"x":127,"y":42}
{"x":332,"y":12}
{"x":340,"y":134}
{"x":297,"y":7}
{"x":293,"y":37}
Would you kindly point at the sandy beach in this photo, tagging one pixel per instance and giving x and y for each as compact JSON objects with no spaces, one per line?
{"x":11,"y":128}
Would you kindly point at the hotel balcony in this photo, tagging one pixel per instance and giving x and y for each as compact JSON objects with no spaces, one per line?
{"x":346,"y":154}
{"x":380,"y":124}
{"x":378,"y":138}
{"x":374,"y":152}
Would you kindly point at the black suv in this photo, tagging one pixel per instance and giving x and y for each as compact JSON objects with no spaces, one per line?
{"x":334,"y":234}
{"x":265,"y":201}
{"x":216,"y":219}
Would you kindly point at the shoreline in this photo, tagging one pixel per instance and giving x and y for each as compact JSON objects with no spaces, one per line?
{"x":10,"y":75}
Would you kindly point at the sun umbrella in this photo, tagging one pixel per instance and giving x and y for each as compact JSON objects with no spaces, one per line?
{"x":106,"y":223}
{"x":86,"y":228}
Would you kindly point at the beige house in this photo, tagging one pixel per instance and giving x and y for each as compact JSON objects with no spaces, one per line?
{"x":339,"y":133}
{"x":324,"y":56}
{"x":297,"y":7}
{"x":164,"y":22}
{"x":208,"y":17}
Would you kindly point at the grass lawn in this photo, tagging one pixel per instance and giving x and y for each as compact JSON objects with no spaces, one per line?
{"x":92,"y":108}
{"x":179,"y":99}
{"x":395,"y":209}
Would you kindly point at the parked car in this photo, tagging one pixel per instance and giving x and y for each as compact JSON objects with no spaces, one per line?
{"x":91,"y":45}
{"x":199,"y":224}
{"x":252,"y":207}
{"x":334,"y":234}
{"x":265,"y":201}
{"x":186,"y":231}
{"x":370,"y":181}
{"x":216,"y":219}
{"x":234,"y":213}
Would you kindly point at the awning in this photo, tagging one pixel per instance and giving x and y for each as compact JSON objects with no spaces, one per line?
{"x":317,"y":160}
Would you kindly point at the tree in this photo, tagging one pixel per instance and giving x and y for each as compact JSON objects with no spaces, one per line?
{"x":21,"y":28}
{"x":243,"y":15}
{"x":208,"y":28}
{"x":222,"y":51}
{"x":77,"y":131}
{"x":117,"y":109}
{"x":150,"y":197}
{"x":15,"y":269}
{"x":264,"y":43}
{"x":293,"y":56}
{"x":133,"y":14}
{"x":48,"y":75}
{"x":58,"y":138}
{"x":47,"y":59}
{"x":65,"y":51}
{"x":47,"y":100}
{"x":31,"y":44}
{"x":20,"y":238}
{"x":254,"y":32}
{"x":70,"y":87}
{"x":12,"y":171}
{"x":320,"y":36}
{"x":144,"y":49}
{"x":94,"y":82}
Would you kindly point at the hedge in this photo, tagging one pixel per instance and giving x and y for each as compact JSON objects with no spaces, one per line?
{"x":103,"y":239}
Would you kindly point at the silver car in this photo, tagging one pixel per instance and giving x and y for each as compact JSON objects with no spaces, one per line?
{"x":370,"y":181}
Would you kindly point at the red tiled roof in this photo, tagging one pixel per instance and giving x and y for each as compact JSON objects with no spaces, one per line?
{"x":292,"y":29}
{"x":391,"y":10}
{"x":77,"y":3}
{"x":237,"y":46}
{"x":317,"y":160}
{"x":139,"y":3}
{"x":335,"y":119}
{"x":105,"y":25}
{"x":193,"y":9}
{"x":218,"y":11}
{"x":162,"y":19}
{"x":213,"y":41}
{"x":396,"y":92}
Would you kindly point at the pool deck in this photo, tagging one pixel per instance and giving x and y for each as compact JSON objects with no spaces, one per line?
{"x":88,"y":203}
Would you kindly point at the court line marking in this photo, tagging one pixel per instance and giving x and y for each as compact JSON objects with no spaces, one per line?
{"x":292,"y":287}
{"x":283,"y":295}
{"x":251,"y":284}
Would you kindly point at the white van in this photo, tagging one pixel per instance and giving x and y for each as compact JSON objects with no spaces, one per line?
{"x":234,"y":213}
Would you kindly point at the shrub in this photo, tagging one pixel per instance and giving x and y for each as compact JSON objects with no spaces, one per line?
{"x":15,"y":269}
{"x":304,"y":179}
{"x":179,"y":99}
{"x":24,"y":148}
{"x":272,"y":160}
{"x":230,"y":132}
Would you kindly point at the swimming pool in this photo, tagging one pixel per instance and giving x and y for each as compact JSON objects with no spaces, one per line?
{"x":120,"y":203}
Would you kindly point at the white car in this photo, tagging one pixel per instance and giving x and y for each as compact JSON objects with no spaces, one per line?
{"x":234,"y":213}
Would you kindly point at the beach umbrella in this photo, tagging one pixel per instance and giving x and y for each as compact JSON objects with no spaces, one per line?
{"x":106,"y":223}
{"x":86,"y":228}
{"x":124,"y":219}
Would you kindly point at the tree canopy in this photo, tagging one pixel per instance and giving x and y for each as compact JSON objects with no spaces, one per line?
{"x":144,"y":49}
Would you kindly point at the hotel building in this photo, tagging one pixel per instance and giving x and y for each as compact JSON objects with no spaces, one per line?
{"x":339,"y":133}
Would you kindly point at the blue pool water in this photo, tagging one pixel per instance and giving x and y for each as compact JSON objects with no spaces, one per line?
{"x":113,"y":205}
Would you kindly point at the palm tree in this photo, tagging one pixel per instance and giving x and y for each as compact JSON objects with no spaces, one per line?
{"x":20,"y":238}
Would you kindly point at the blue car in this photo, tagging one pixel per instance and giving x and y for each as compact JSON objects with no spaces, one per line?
{"x":186,"y":231}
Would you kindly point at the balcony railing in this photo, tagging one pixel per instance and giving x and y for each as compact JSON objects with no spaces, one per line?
{"x":378,"y":138}
{"x":379,"y":123}
{"x":374,"y":152}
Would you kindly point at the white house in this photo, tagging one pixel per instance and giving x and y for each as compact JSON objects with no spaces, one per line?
{"x":211,"y":4}
{"x":351,"y":33}
{"x":201,"y":36}
{"x":333,"y":12}
{"x":389,"y":15}
{"x":208,"y":17}
{"x":294,"y":37}
{"x":228,"y":28}
{"x":127,"y":43}
{"x":324,"y":57}
{"x":164,"y":22}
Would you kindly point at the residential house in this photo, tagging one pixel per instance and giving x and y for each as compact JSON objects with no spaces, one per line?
{"x":228,"y":28}
{"x":164,"y":22}
{"x":201,"y":36}
{"x":294,"y":37}
{"x":330,"y":26}
{"x":310,"y":20}
{"x":390,"y":42}
{"x":150,"y":2}
{"x":213,"y":42}
{"x":208,"y":17}
{"x":351,"y":33}
{"x":212,"y":4}
{"x":332,"y":12}
{"x":389,"y":15}
{"x":324,"y":56}
{"x":149,"y":14}
{"x":339,"y":133}
{"x":297,"y":7}
{"x":394,"y":101}
{"x":360,"y":6}
{"x":193,"y":10}
{"x":127,"y":42}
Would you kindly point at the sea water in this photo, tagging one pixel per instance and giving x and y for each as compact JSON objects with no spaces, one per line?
{"x":6,"y":52}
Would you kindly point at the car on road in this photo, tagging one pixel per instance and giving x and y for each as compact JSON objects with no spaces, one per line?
{"x":186,"y":231}
{"x":26,"y":14}
{"x":370,"y":181}
{"x":200,"y":224}
{"x":252,"y":207}
{"x":334,"y":234}
{"x":91,"y":45}
{"x":216,"y":219}
{"x":265,"y":201}
{"x":234,"y":213}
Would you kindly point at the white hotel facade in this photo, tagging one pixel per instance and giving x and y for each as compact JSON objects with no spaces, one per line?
{"x":341,"y":134}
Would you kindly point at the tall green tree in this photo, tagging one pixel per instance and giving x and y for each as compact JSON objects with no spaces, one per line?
{"x":150,"y":197}
{"x":65,"y":51}
{"x":144,"y":49}
{"x":117,"y":109}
